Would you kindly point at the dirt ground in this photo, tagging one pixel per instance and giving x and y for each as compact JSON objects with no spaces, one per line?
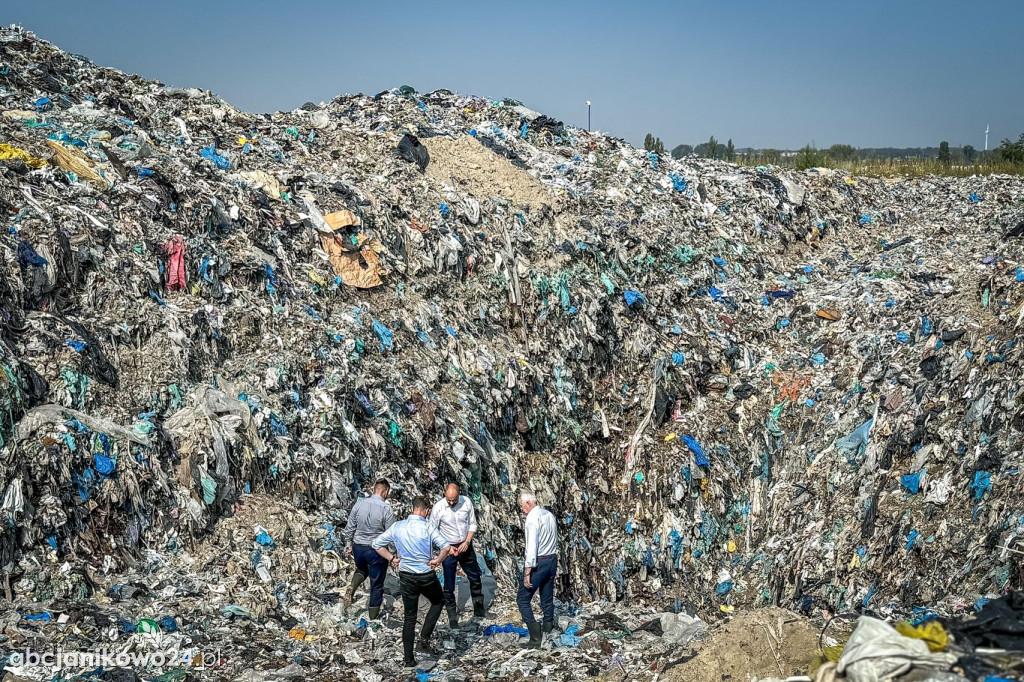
{"x":478,"y":171}
{"x":746,"y":647}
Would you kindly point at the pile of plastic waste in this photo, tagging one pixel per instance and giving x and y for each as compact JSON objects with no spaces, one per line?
{"x":735,"y":387}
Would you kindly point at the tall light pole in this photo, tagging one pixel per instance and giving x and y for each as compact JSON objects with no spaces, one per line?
{"x":588,"y":115}
{"x":986,"y":136}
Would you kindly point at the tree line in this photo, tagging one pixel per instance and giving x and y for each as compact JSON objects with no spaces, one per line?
{"x":810,"y":156}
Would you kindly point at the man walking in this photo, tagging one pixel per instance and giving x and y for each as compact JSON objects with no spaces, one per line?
{"x":416,"y":541}
{"x":455,"y":518}
{"x":539,"y":568}
{"x":370,"y":516}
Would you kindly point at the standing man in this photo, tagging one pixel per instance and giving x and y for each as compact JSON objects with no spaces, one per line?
{"x":455,"y":519}
{"x":416,"y":541}
{"x":539,"y":568}
{"x":370,"y":516}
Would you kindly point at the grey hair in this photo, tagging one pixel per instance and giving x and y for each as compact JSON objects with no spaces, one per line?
{"x":525,"y":497}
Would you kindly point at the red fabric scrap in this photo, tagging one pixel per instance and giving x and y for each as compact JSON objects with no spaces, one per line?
{"x":175,"y":249}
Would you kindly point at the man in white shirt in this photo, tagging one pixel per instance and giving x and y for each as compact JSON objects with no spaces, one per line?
{"x":539,"y":568}
{"x":455,"y":518}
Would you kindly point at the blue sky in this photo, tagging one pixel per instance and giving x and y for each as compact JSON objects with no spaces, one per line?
{"x":773,"y":73}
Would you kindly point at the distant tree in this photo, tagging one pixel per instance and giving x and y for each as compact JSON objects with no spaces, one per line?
{"x":842,"y":152}
{"x":944,"y":156}
{"x":654,"y":144}
{"x":730,"y":151}
{"x":808,"y":157}
{"x":713,"y":148}
{"x":681,"y":150}
{"x":1011,"y":151}
{"x":970,"y":153}
{"x":771,"y":155}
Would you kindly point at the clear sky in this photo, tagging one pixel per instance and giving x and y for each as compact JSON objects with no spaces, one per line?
{"x":767,"y":73}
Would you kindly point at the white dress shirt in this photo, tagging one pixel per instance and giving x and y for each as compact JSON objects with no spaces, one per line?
{"x":541,"y":535}
{"x":454,"y":523}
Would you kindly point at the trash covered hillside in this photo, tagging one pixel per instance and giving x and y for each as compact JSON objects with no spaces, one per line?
{"x":735,"y":387}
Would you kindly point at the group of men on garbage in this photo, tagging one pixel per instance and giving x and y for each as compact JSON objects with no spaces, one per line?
{"x":442,"y":535}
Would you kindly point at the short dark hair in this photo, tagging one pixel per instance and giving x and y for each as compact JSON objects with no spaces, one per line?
{"x":382,"y":483}
{"x":420,"y":502}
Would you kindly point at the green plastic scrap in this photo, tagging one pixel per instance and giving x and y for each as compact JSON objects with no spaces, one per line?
{"x":395,"y":433}
{"x":685,"y":254}
{"x":608,"y":284}
{"x":176,"y":395}
{"x":143,"y":427}
{"x":209,"y":489}
{"x":76,"y":385}
{"x":563,"y":290}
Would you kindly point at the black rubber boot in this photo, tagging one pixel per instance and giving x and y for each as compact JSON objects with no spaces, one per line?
{"x":548,"y":627}
{"x":350,"y":593}
{"x":453,"y":617}
{"x":373,"y":613}
{"x":536,"y":636}
{"x":423,"y":647}
{"x":478,"y":608}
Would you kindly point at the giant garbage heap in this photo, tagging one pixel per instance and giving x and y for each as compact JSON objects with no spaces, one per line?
{"x":734,"y":386}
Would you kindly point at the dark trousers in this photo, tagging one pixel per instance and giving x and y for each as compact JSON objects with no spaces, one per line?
{"x":541,"y":578}
{"x":471,"y":568}
{"x":413,"y":585}
{"x":371,"y":564}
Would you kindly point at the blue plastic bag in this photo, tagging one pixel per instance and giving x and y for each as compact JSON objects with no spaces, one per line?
{"x":696,"y":449}
{"x":104,"y":465}
{"x":509,"y":627}
{"x":912,"y":482}
{"x":210,"y":153}
{"x":633,"y":297}
{"x":385,"y":335}
{"x":857,"y":440}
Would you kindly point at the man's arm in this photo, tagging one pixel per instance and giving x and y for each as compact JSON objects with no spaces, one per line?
{"x":439,"y":559}
{"x":350,"y":526}
{"x":435,"y":515}
{"x":471,"y":513}
{"x":381,"y":545}
{"x":389,"y":516}
{"x":438,"y":542}
{"x":531,"y":550}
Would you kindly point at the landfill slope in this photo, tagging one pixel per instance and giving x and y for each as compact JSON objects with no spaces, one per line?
{"x":734,"y":386}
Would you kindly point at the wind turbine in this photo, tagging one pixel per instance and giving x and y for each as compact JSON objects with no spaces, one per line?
{"x":986,"y":137}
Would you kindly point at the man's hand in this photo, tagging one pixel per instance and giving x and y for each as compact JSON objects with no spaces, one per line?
{"x":526,"y":581}
{"x":461,"y":548}
{"x":395,"y":562}
{"x":348,"y":551}
{"x":434,"y":563}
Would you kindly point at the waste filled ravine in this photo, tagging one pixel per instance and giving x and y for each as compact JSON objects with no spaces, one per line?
{"x":760,"y":402}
